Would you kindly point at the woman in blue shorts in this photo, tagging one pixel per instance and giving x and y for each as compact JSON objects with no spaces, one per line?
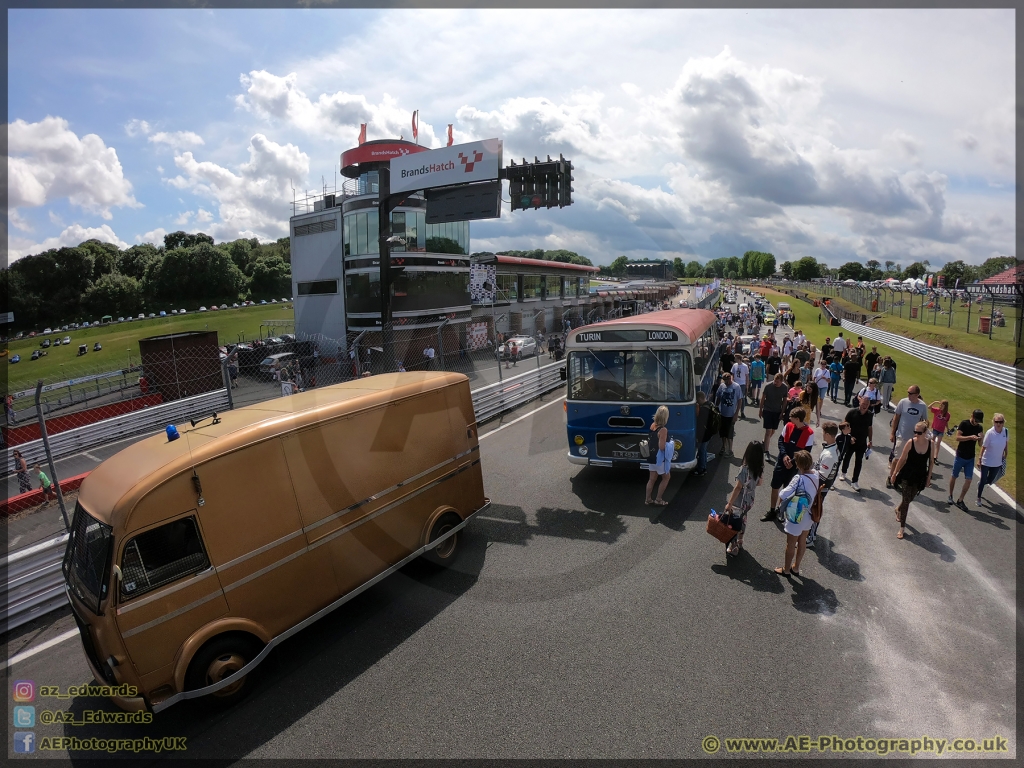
{"x":662,"y":465}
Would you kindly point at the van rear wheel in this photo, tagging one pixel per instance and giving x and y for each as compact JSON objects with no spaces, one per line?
{"x":220,"y":658}
{"x":445,"y":552}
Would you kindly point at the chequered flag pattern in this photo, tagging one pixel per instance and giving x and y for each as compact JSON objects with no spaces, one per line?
{"x":477,"y":157}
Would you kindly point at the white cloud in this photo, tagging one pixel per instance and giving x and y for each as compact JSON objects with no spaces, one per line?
{"x":55,"y":219}
{"x":253,"y":198}
{"x":47,"y":161}
{"x":178,"y":139}
{"x":182,"y":220}
{"x":966,"y":139}
{"x":71,"y":236}
{"x":136,"y":127}
{"x":203,"y":216}
{"x":154,"y":236}
{"x":19,"y":221}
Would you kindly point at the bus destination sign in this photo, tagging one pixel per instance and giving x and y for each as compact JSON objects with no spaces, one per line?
{"x":605,"y":337}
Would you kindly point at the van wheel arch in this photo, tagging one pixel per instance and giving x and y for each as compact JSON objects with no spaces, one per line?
{"x":440,"y":523}
{"x":219,"y":657}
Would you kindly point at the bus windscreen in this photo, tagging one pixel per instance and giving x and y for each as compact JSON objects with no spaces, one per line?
{"x":658,"y":376}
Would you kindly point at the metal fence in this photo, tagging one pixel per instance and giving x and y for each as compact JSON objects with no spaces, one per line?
{"x":35,"y":584}
{"x":1004,"y":377}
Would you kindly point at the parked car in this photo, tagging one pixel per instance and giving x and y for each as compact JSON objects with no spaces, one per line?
{"x":120,"y":319}
{"x":47,"y":330}
{"x":267,"y":365}
{"x":45,"y":343}
{"x":174,"y":311}
{"x":234,"y":305}
{"x":67,"y":339}
{"x":163,"y":313}
{"x":202,"y":309}
{"x":263,"y":301}
{"x":152,"y":314}
{"x":37,"y":354}
{"x":142,"y":316}
{"x":285,"y":299}
{"x":85,"y":324}
{"x":97,"y":347}
{"x":56,"y":342}
{"x":82,"y":349}
{"x":527,"y":346}
{"x":16,"y":359}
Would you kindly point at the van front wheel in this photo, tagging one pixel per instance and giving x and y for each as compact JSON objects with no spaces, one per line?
{"x":444,"y":553}
{"x":221,"y":658}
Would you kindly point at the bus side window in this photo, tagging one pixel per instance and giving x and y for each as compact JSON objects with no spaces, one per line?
{"x":162,"y":555}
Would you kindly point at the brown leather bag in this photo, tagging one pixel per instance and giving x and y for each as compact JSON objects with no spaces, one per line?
{"x":816,"y":507}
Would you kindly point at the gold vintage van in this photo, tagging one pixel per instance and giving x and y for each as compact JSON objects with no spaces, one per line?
{"x":190,"y":559}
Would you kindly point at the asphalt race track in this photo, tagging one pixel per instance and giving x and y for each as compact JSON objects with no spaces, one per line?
{"x":580,"y":623}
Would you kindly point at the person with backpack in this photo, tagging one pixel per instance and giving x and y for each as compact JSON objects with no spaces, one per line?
{"x":728,"y":398}
{"x":798,"y":497}
{"x":796,"y":436}
{"x":828,"y":469}
{"x":751,"y":475}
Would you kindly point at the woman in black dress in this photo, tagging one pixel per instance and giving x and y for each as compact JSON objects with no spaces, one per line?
{"x":913,"y":472}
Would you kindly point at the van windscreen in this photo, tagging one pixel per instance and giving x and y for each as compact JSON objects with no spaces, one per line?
{"x":86,"y":563}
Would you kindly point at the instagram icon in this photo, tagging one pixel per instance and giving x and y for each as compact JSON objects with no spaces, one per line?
{"x":24,"y":690}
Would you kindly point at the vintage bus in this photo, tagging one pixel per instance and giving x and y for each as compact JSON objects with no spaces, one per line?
{"x":619,"y":372}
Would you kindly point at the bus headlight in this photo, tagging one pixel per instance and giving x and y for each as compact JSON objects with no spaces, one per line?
{"x":578,"y":439}
{"x":583,"y":450}
{"x":679,"y":444}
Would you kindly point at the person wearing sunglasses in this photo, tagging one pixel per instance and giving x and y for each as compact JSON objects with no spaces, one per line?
{"x":912,"y":472}
{"x":993,"y":453}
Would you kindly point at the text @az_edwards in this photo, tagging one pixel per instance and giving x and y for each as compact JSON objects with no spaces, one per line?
{"x":878,"y":746}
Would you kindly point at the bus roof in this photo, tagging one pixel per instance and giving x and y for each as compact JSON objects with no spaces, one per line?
{"x":115,"y":486}
{"x":692,"y":322}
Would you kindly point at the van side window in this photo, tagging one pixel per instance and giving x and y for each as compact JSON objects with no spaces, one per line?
{"x":162,"y":555}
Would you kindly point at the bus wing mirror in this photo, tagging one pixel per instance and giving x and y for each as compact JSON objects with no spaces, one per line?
{"x":117,"y":573}
{"x":561,"y":373}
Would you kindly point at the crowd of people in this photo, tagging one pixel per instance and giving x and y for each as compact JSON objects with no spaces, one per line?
{"x":787,"y":380}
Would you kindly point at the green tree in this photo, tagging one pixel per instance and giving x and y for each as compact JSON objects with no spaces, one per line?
{"x":618,"y":267}
{"x":709,"y":272}
{"x":199,"y":273}
{"x":786,"y":269}
{"x":916,"y":270}
{"x":851,"y":270}
{"x":181,"y":239}
{"x":242,"y":254}
{"x":271,"y":277}
{"x":890,"y":265}
{"x":104,"y":256}
{"x":733,"y":274}
{"x":132,"y":262}
{"x":694,"y":269}
{"x":958,"y":270}
{"x":114,"y":294}
{"x":678,"y":267}
{"x":995,"y":265}
{"x":805,"y":268}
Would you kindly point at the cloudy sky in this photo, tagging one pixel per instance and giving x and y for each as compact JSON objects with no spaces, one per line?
{"x":836,"y":134}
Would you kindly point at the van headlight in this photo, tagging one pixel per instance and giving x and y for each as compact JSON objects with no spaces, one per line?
{"x":583,"y":450}
{"x":578,"y":439}
{"x":679,"y":444}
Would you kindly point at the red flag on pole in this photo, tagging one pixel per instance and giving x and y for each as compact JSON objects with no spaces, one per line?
{"x":362,"y":133}
{"x":449,"y":134}
{"x":416,"y":126}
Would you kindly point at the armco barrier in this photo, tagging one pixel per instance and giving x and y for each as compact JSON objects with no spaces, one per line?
{"x":1005,"y":377}
{"x":35,"y":585}
{"x":56,"y":424}
{"x":490,"y":400}
{"x":109,"y":430}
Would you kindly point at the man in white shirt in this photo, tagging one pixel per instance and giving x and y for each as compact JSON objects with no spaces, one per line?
{"x":994,"y":447}
{"x":787,"y":350}
{"x":839,"y":345}
{"x":741,"y":375}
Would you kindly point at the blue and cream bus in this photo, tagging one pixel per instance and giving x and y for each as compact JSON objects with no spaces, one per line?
{"x":619,"y":372}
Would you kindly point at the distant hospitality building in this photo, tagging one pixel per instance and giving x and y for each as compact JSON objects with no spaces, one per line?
{"x":335,"y":259}
{"x":658,"y":270}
